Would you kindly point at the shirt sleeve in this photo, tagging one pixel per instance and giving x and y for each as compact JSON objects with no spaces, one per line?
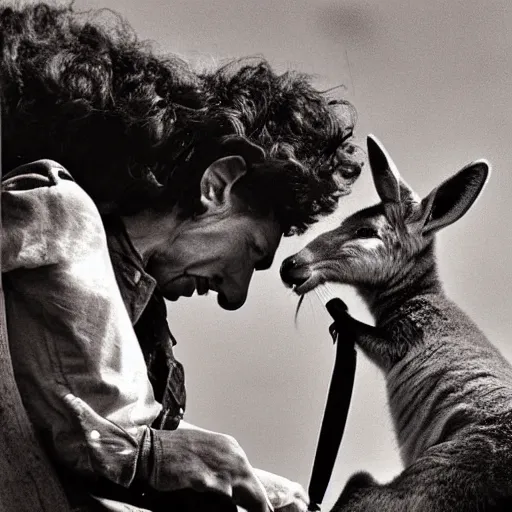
{"x":77,"y":361}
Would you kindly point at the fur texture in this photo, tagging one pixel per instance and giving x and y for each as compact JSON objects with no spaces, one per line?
{"x":449,"y":388}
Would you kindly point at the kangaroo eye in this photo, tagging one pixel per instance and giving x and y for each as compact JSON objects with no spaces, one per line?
{"x":366,"y":232}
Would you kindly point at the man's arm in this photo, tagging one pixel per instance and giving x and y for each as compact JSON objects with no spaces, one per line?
{"x":76,"y":359}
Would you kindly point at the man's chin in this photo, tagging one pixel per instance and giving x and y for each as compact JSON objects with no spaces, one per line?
{"x":181,"y":286}
{"x":228,"y":306}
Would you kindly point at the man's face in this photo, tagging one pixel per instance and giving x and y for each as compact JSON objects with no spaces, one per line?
{"x":219,"y":249}
{"x":216,"y":253}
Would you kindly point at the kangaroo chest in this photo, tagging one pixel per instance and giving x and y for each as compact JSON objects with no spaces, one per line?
{"x":422,"y":401}
{"x":450,"y":379}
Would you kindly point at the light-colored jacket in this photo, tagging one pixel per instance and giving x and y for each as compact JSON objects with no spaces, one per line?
{"x":77,"y":361}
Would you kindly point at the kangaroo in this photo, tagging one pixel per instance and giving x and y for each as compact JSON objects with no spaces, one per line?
{"x":449,"y":389}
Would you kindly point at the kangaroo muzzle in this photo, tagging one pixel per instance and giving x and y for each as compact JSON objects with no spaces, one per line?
{"x":295,"y":270}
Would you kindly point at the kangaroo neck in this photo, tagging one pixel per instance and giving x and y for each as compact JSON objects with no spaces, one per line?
{"x":419,"y":277}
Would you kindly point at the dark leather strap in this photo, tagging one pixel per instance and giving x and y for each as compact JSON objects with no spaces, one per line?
{"x":336,"y":409}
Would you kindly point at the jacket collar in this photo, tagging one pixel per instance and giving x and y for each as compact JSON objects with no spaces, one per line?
{"x":135,"y":284}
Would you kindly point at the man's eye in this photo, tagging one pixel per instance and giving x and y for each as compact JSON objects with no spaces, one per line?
{"x":366,"y":232}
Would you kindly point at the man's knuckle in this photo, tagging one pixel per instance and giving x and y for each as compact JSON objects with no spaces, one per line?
{"x":235,"y":449}
{"x":231,"y":441}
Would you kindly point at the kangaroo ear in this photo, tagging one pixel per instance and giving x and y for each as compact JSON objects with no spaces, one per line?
{"x":388,"y":182}
{"x":453,"y":198}
{"x":218,"y":179}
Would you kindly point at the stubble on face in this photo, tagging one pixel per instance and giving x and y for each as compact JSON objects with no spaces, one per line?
{"x":218,"y":254}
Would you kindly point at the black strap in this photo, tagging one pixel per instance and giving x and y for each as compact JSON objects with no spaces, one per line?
{"x":336,"y":409}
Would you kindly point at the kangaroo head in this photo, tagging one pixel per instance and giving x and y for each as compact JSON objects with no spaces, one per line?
{"x":377,"y":245}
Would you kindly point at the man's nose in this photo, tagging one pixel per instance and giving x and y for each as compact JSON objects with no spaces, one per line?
{"x":235,"y":291}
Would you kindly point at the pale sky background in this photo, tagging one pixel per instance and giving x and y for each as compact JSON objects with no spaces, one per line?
{"x":433,"y":80}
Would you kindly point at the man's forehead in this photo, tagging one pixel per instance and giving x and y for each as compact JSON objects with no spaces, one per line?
{"x":267,"y":237}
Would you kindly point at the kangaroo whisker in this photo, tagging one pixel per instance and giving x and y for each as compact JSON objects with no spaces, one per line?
{"x":299,"y":304}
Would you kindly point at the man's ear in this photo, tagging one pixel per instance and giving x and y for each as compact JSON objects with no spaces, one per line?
{"x":238,"y":145}
{"x":453,"y":198}
{"x":218,"y":179}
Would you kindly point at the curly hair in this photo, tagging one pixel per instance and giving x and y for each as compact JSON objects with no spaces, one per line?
{"x":137,"y":129}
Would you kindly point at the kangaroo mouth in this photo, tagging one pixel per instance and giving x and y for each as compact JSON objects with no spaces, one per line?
{"x":300,"y":275}
{"x":305,"y":282}
{"x":309,"y":284}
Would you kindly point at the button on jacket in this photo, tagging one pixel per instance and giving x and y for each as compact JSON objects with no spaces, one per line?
{"x":78,"y":364}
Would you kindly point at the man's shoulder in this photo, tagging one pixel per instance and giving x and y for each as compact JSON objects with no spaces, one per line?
{"x":40,"y":173}
{"x":46,"y":216}
{"x":45,"y":185}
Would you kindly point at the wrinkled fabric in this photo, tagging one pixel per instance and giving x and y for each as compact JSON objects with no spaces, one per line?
{"x":76,"y":358}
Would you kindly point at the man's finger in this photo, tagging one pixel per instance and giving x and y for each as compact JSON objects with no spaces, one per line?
{"x":301,"y":494}
{"x":267,"y":498}
{"x":294,"y":507}
{"x":280,"y":490}
{"x":252,"y":496}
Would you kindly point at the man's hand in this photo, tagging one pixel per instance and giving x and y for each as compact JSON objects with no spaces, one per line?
{"x":285,"y":495}
{"x":194,"y":458}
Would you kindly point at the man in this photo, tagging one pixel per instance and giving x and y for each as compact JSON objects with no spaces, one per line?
{"x":196,"y":178}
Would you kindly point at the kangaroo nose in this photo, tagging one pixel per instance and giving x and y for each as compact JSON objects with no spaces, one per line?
{"x":292,"y":273}
{"x":287,"y":265}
